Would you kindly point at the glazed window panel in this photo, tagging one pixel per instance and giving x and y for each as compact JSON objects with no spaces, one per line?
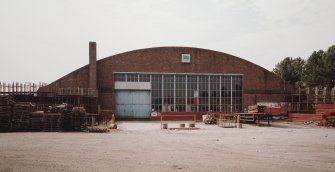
{"x":190,"y":92}
{"x":156,"y":92}
{"x":215,"y":93}
{"x":144,"y":77}
{"x":132,"y":77}
{"x":226,"y":94}
{"x":203,"y":93}
{"x":168,"y":90}
{"x":180,"y":93}
{"x":120,"y":77}
{"x":192,"y":104}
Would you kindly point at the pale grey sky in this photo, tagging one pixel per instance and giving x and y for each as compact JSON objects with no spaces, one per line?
{"x":43,"y":40}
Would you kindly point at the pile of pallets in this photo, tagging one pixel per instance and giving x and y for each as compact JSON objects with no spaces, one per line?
{"x":36,"y":121}
{"x":79,"y":119}
{"x":6,"y":103}
{"x":51,"y":122}
{"x":66,"y":120}
{"x":21,"y":117}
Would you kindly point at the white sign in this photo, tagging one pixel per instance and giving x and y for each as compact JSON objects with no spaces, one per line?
{"x":185,"y":58}
{"x":196,"y":93}
{"x":119,"y":85}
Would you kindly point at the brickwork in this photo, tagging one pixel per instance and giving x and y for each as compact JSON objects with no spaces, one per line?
{"x":92,"y":65}
{"x":258,"y":83}
{"x":77,"y":78}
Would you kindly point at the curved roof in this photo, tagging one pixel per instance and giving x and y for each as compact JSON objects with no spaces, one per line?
{"x":176,"y":47}
{"x":167,"y":60}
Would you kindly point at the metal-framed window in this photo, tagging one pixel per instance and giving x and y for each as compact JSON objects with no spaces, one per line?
{"x":190,"y":92}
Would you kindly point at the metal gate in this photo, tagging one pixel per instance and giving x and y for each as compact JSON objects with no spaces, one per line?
{"x":132,"y":104}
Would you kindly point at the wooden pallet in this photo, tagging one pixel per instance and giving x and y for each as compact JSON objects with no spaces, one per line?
{"x":36,"y":121}
{"x":5,"y":123}
{"x":6,"y":100}
{"x":74,"y":120}
{"x":51,"y":122}
{"x":21,"y":117}
{"x":6,"y":103}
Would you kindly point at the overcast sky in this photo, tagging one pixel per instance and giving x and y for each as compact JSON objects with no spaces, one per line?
{"x":43,"y":40}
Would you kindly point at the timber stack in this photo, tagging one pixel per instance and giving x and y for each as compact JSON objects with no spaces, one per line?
{"x":36,"y":121}
{"x":73,"y":119}
{"x":66,"y":120}
{"x":51,"y":122}
{"x":79,"y":119}
{"x":21,"y":116}
{"x":6,"y":104}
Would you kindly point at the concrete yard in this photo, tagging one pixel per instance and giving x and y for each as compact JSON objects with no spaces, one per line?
{"x":143,"y":146}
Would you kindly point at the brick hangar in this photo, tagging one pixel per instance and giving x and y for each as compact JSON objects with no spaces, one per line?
{"x":175,"y":80}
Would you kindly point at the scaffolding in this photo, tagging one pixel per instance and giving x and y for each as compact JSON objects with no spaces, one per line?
{"x":43,"y":96}
{"x":304,"y":99}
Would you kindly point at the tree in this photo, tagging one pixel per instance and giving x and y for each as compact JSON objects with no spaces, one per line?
{"x":290,"y":70}
{"x":330,"y":66}
{"x":320,"y":68}
{"x":314,"y":69}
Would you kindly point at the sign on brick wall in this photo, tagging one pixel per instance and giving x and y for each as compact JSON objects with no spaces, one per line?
{"x":185,"y":58}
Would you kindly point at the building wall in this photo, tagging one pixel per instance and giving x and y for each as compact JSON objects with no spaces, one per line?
{"x":258,"y":83}
{"x":77,"y":78}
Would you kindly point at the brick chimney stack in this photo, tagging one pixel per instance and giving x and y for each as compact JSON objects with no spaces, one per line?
{"x":93,"y":65}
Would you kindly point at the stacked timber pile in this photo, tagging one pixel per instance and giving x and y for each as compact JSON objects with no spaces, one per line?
{"x":79,"y":119}
{"x":51,"y":122}
{"x":66,"y":119}
{"x":21,"y":116}
{"x":73,"y":119}
{"x":301,"y":117}
{"x":6,"y":103}
{"x":326,"y":109}
{"x":36,"y":121}
{"x":322,"y":112}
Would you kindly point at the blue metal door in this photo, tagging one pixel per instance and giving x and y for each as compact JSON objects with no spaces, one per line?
{"x":132,"y":104}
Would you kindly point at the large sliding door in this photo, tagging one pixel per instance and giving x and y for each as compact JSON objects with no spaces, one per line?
{"x":132,"y":104}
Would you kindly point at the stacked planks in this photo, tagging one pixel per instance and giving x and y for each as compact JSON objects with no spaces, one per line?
{"x":21,"y":116}
{"x":6,"y":104}
{"x":326,"y":109}
{"x":302,"y":117}
{"x":36,"y":121}
{"x":322,"y":112}
{"x":51,"y":122}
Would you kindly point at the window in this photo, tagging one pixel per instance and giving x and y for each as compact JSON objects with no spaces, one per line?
{"x":132,"y":77}
{"x":186,"y":58}
{"x":120,"y":77}
{"x":191,"y":93}
{"x":144,"y":77}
